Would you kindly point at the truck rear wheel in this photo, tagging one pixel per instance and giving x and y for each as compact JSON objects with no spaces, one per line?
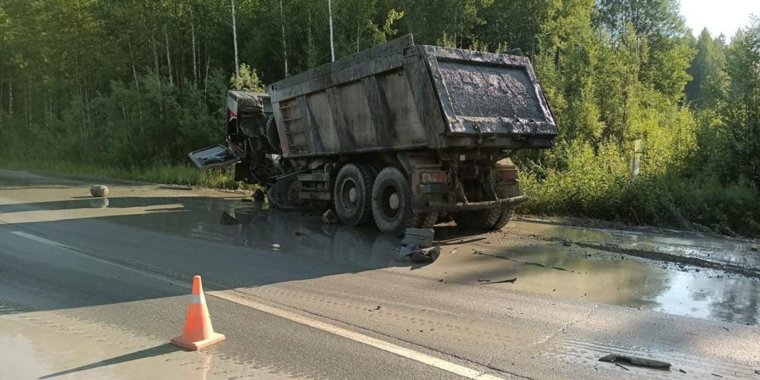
{"x":352,"y":194}
{"x":424,"y":220}
{"x":491,"y":219}
{"x":484,"y":220}
{"x":391,"y":201}
{"x":499,"y":217}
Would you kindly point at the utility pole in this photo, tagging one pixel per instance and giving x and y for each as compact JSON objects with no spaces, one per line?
{"x":234,"y":36}
{"x":284,"y":45}
{"x":332,"y":42}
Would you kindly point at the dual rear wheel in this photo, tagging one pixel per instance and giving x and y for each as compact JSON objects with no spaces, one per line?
{"x":360,"y":196}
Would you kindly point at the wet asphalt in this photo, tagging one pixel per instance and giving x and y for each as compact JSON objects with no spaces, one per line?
{"x":118,"y":264}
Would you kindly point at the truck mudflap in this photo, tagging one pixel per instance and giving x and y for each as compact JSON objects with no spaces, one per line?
{"x":466,"y":206}
{"x":215,"y":156}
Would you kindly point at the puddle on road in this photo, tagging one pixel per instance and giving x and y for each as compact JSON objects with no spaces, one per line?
{"x":588,"y":274}
{"x":585,"y":274}
{"x":724,"y":250}
{"x":596,"y":276}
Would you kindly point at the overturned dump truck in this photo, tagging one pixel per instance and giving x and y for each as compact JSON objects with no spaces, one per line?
{"x":399,"y":135}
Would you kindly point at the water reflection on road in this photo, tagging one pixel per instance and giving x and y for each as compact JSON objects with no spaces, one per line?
{"x":548,"y":267}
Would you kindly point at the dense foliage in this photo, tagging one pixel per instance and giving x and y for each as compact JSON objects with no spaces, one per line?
{"x":133,"y":84}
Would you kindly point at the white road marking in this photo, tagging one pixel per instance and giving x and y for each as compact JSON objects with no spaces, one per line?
{"x":99,"y":259}
{"x":41,"y":240}
{"x":310,"y":322}
{"x":358,"y":337}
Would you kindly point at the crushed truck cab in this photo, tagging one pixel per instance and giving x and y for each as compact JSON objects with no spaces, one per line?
{"x":400,"y":135}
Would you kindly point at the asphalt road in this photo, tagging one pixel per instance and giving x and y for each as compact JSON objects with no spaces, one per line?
{"x":95,"y":290}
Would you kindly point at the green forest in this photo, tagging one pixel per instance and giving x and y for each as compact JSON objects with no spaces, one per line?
{"x":133,"y":85}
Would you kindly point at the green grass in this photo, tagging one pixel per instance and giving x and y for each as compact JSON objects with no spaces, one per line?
{"x":158,"y":173}
{"x":702,"y":203}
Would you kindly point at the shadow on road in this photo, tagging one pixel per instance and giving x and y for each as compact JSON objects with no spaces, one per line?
{"x":159,"y":350}
{"x":178,"y":236}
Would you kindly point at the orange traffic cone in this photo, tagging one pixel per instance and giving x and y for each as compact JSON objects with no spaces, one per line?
{"x":198,"y":331}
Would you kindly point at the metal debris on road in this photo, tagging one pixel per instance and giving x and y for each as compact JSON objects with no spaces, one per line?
{"x":228,"y":219}
{"x":421,"y":237}
{"x":415,"y":254}
{"x":636,"y":361}
{"x":329,"y":217}
{"x":259,"y":196}
{"x":507,"y":281}
{"x":622,"y":366}
{"x":99,"y":191}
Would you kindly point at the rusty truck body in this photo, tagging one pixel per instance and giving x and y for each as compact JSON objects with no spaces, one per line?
{"x":400,"y":135}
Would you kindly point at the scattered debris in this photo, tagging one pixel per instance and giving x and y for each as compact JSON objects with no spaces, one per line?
{"x":507,"y":281}
{"x":228,"y":219}
{"x":635,"y":361}
{"x":175,"y":187}
{"x":99,"y":191}
{"x":415,"y":254}
{"x":421,"y":237}
{"x":259,"y":196}
{"x":622,"y":366}
{"x":458,"y":241}
{"x":329,"y":217}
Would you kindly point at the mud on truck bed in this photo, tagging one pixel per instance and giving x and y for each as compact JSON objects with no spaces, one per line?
{"x":399,"y":135}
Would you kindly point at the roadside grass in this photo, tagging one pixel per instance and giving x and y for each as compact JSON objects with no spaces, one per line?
{"x":173,"y":174}
{"x":702,"y":203}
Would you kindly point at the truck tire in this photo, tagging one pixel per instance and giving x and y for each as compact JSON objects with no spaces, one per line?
{"x":272,"y":136}
{"x":284,"y":194}
{"x":497,"y":218}
{"x":475,"y":220}
{"x":491,"y":219}
{"x":352,"y":194}
{"x":391,"y":201}
{"x":423,"y":220}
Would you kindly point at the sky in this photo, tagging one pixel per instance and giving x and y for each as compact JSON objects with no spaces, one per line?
{"x":719,"y":16}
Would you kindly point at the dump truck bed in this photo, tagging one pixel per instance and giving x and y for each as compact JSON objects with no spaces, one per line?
{"x":402,"y":96}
